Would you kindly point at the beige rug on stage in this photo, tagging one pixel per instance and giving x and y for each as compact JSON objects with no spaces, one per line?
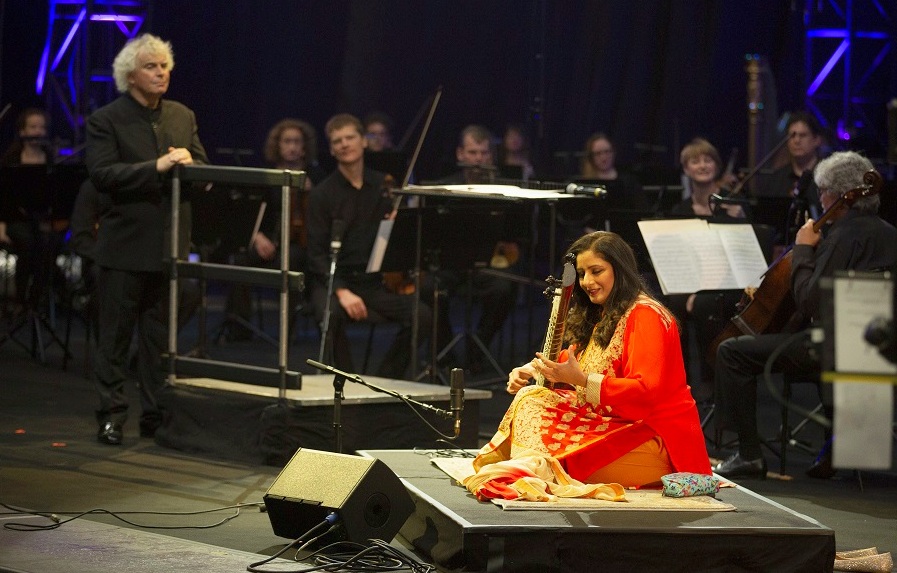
{"x":640,"y":500}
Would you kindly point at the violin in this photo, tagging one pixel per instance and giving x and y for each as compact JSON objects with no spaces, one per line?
{"x":399,"y":282}
{"x":769,"y":308}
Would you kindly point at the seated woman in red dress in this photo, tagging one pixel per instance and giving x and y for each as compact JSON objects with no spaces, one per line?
{"x":619,"y":409}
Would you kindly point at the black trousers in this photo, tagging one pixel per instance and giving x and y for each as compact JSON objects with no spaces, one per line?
{"x":397,"y":308}
{"x":738,"y":363}
{"x":129,"y":299}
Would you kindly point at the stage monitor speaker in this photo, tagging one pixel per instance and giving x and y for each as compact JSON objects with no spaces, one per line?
{"x":368,"y":497}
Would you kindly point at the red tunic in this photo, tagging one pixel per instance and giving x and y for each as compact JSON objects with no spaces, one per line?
{"x":643,"y":394}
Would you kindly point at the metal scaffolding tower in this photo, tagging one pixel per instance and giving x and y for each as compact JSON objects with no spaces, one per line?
{"x":75,"y":74}
{"x":851,"y":67}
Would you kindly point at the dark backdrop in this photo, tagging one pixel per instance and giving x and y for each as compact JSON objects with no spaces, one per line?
{"x":649,"y":72}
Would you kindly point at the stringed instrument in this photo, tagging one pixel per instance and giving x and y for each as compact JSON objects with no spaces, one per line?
{"x":402,"y":282}
{"x":769,"y":308}
{"x":560,"y":291}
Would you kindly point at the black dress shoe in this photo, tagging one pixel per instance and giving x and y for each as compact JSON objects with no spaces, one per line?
{"x":738,"y":467}
{"x":822,"y":468}
{"x":110,"y":433}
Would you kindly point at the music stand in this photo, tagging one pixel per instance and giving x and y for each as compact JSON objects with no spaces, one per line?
{"x":225,"y":223}
{"x":39,"y":196}
{"x":447,"y":237}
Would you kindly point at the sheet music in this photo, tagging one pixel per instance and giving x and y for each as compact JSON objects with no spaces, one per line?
{"x":674,"y":261}
{"x":744,"y":253}
{"x":690,"y":255}
{"x":375,"y":261}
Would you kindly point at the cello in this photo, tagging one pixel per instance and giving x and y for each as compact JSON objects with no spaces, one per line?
{"x":769,"y":308}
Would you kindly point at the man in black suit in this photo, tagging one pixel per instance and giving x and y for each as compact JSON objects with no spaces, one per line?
{"x":132,"y":145}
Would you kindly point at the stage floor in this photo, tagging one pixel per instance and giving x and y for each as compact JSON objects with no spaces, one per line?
{"x":456,"y":531}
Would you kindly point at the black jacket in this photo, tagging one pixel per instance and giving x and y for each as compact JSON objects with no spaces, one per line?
{"x":124,"y":139}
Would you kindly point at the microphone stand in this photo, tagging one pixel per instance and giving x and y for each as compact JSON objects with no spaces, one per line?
{"x":335,"y":246}
{"x":339,"y":382}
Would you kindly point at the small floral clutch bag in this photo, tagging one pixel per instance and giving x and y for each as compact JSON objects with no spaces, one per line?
{"x":687,"y":484}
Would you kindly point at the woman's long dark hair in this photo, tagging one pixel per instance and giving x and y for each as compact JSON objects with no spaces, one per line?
{"x":628,"y":284}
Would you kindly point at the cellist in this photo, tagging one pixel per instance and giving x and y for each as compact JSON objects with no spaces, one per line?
{"x":856,"y":238}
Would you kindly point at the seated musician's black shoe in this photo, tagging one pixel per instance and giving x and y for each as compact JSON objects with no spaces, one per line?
{"x":822,"y":467}
{"x":738,"y":467}
{"x":110,"y":433}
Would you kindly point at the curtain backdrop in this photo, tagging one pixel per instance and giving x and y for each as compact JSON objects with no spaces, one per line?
{"x":652,"y":74}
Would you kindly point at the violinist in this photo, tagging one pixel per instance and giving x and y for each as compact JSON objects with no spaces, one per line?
{"x":515,"y":151}
{"x":599,"y":165}
{"x":620,"y":410}
{"x":856,"y":239}
{"x":794,"y":179}
{"x":290,"y":144}
{"x":355,"y":197}
{"x":378,"y":131}
{"x":22,"y":231}
{"x":701,"y":164}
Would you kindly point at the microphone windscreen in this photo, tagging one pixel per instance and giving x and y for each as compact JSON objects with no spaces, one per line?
{"x":337,"y":229}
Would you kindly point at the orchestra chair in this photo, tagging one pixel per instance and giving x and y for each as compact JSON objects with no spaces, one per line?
{"x":787,"y":432}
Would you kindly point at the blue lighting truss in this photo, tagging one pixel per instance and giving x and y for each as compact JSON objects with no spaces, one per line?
{"x":75,"y":74}
{"x":850,"y":64}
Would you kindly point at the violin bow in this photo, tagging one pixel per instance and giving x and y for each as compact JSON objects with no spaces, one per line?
{"x":420,"y":143}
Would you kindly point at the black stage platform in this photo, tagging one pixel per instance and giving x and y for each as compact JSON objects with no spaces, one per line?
{"x":456,"y":531}
{"x":252,"y":424}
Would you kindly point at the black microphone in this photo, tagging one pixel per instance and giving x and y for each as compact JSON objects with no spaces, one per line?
{"x":456,"y":403}
{"x":338,"y":227}
{"x":599,"y":191}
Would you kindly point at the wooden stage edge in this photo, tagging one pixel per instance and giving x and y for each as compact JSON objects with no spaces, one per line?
{"x":454,"y":530}
{"x":251,"y":423}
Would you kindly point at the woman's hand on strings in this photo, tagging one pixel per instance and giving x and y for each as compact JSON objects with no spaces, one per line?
{"x":568,"y":372}
{"x":520,"y":377}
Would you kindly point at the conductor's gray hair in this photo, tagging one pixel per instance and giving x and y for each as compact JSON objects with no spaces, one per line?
{"x":126,"y":60}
